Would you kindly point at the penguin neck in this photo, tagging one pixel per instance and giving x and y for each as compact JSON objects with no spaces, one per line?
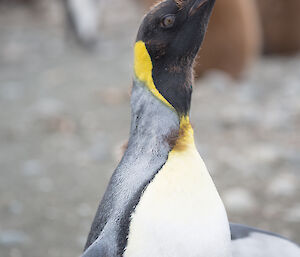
{"x":167,"y":79}
{"x":172,"y":89}
{"x":155,"y":119}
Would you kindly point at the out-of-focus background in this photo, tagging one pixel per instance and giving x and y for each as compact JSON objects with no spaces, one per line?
{"x":65,"y":78}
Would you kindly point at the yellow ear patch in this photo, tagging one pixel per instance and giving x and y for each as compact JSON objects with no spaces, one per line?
{"x":143,"y":70}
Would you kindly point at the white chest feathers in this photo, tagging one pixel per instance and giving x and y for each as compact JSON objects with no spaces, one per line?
{"x":180,"y":213}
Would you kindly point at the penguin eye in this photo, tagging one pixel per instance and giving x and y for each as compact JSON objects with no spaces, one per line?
{"x":168,"y":21}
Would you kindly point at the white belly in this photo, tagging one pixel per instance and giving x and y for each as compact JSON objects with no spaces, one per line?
{"x":180,"y":213}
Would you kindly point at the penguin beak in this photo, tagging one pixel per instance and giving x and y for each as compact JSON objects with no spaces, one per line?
{"x":196,"y":5}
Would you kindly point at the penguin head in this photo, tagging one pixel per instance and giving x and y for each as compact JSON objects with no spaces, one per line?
{"x":167,"y":43}
{"x":174,"y":29}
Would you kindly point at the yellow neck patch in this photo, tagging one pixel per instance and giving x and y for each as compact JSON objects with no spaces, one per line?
{"x":186,"y":135}
{"x":143,"y":70}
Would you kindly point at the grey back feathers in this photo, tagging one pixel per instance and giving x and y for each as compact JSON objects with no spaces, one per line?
{"x":241,"y":231}
{"x":250,"y":242}
{"x":147,"y":152}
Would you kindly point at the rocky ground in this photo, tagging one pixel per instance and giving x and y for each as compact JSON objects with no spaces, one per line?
{"x":65,"y":114}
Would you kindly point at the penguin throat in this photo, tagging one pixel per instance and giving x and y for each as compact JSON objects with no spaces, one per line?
{"x":167,"y":80}
{"x":143,"y":70}
{"x":185,"y":138}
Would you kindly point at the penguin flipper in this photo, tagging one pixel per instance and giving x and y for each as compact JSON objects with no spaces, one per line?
{"x":249,"y":242}
{"x":97,"y":249}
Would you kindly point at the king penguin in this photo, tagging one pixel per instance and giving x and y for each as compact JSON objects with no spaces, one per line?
{"x":161,"y":200}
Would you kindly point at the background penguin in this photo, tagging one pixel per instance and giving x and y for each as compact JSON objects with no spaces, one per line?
{"x":84,"y":19}
{"x":233,"y":40}
{"x":281,"y":25}
{"x":161,"y":200}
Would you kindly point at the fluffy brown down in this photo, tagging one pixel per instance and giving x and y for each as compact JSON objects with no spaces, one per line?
{"x":233,"y":39}
{"x":281,"y":25}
